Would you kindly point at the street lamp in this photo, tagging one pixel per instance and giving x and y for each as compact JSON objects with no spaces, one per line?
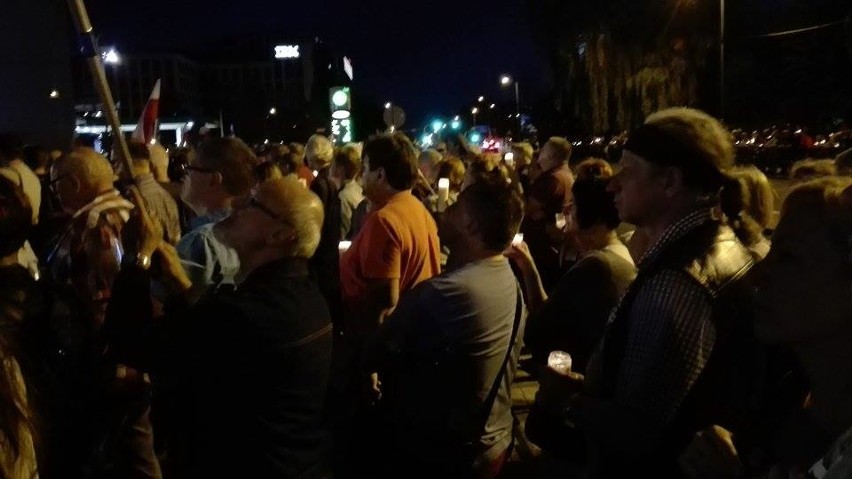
{"x":474,"y":111}
{"x":111,"y":56}
{"x":388,"y":105}
{"x":492,"y":106}
{"x":273,"y":111}
{"x":505,"y":81}
{"x":481,"y":99}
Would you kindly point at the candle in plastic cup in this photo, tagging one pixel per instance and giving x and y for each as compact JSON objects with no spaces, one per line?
{"x":343,"y":246}
{"x":509,"y":158}
{"x":560,"y":221}
{"x":443,"y":193}
{"x":444,"y":188}
{"x":559,"y":361}
{"x":519,"y":238}
{"x":316,"y":173}
{"x":304,"y":182}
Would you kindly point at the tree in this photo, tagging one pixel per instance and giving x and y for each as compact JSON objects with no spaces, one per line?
{"x":615,"y":62}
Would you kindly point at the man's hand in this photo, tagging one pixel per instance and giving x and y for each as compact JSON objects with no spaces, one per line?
{"x":556,"y":390}
{"x":711,"y":455}
{"x":373,"y":389}
{"x":173,"y":273}
{"x":152,"y":246}
{"x":520,"y":255}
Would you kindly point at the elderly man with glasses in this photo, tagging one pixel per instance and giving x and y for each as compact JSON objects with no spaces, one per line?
{"x":242,"y":372}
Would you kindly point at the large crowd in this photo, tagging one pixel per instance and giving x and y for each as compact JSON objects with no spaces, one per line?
{"x":359,"y":311}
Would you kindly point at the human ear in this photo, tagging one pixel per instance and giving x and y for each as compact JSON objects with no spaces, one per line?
{"x":672,"y":181}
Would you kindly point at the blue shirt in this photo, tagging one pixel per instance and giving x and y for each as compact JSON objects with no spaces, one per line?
{"x":207,"y":261}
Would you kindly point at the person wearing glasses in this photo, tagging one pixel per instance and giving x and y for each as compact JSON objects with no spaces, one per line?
{"x":87,"y":258}
{"x":242,"y":372}
{"x":221,"y":170}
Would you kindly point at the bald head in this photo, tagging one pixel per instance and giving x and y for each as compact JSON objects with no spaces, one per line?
{"x":81,"y":176}
{"x":299,"y":207}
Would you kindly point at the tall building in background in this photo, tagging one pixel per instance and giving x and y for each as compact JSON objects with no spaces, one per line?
{"x":257,"y":87}
{"x":131,"y":78}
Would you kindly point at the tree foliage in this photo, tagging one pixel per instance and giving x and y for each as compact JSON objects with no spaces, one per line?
{"x":615,"y":61}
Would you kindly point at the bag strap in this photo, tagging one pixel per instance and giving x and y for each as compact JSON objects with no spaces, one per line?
{"x":488,"y":404}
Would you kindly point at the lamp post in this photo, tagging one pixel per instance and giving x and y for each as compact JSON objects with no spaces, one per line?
{"x":474,"y":111}
{"x":505,"y":81}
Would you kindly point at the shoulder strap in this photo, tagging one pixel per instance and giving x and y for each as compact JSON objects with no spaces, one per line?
{"x":488,"y":404}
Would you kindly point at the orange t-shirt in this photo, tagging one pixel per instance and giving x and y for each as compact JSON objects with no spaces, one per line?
{"x":397,"y":241}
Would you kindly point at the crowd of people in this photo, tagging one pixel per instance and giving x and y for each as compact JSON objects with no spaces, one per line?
{"x":359,"y":311}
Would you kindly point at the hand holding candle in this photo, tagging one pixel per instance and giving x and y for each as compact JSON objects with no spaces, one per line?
{"x":443,"y":194}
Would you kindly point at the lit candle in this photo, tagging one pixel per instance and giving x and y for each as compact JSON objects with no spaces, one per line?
{"x":560,"y":221}
{"x":443,"y":193}
{"x":519,"y":238}
{"x":343,"y":246}
{"x":316,"y":173}
{"x":509,"y":158}
{"x":559,"y":361}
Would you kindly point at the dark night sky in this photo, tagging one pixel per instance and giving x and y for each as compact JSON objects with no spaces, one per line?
{"x":431,"y":57}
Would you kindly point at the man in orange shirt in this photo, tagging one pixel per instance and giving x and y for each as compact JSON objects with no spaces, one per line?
{"x":396,"y":249}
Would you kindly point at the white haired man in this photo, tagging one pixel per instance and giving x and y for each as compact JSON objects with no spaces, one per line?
{"x":242,"y":372}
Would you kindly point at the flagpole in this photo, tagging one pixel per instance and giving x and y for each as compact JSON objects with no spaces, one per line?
{"x":89,"y":48}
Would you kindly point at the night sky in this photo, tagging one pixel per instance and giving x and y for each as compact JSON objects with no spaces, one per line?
{"x":431,"y":57}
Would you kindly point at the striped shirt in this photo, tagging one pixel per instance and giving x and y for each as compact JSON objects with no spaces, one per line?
{"x":161,"y":205}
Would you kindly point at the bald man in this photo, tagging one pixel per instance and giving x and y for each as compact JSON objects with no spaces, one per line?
{"x":88,"y":257}
{"x":89,"y":253}
{"x":245,"y":370}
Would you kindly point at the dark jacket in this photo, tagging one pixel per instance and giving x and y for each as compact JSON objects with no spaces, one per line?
{"x":575,"y":315}
{"x":711,"y":256}
{"x":325,"y":264}
{"x":242,"y":374}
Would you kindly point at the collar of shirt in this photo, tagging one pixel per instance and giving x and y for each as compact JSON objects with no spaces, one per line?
{"x":673,"y":233}
{"x":211,"y":217}
{"x":108,"y":200}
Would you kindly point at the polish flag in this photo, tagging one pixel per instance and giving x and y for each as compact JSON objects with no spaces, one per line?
{"x":146,"y":128}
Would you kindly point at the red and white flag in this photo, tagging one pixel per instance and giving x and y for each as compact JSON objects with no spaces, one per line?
{"x":146,"y":128}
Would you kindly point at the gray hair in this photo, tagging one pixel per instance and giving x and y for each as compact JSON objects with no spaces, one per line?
{"x":319,"y":150}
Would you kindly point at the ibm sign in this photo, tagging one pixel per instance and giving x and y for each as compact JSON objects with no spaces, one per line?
{"x":287,"y":51}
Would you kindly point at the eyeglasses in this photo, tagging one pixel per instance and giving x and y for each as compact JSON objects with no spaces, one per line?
{"x":253,"y":203}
